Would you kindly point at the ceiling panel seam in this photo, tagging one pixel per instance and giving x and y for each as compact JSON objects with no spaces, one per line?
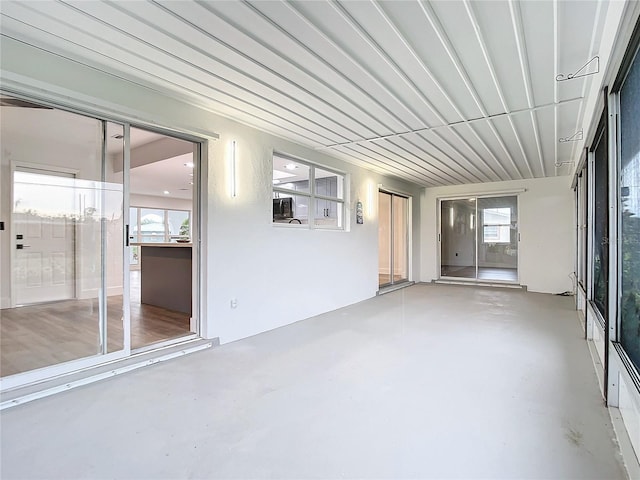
{"x":252,"y":77}
{"x":516,"y":21}
{"x":455,"y":124}
{"x":333,"y":69}
{"x":454,"y":173}
{"x":301,"y":68}
{"x":161,"y":91}
{"x":494,"y":77}
{"x":392,"y":167}
{"x":407,"y":164}
{"x":385,"y":88}
{"x":442,"y":175}
{"x":242,"y":100}
{"x":364,"y":35}
{"x":398,"y":71}
{"x":435,"y":23}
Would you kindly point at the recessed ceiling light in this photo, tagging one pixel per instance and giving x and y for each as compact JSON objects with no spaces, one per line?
{"x":189,"y":164}
{"x":190,"y":183}
{"x":291,"y":166}
{"x":166,"y":192}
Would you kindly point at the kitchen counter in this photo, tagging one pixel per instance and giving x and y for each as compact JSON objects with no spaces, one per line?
{"x":165,"y":275}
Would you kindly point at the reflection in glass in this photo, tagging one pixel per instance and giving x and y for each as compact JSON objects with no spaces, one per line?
{"x":601,"y":227}
{"x":497,"y":240}
{"x":400,"y":254}
{"x":630,"y":218}
{"x":458,"y":240}
{"x":384,"y":238}
{"x":290,"y":174}
{"x":61,"y":286}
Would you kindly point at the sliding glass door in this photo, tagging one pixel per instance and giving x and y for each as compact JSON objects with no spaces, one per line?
{"x":479,"y":238}
{"x":393,"y":249}
{"x":62,"y":248}
{"x":82,"y":199}
{"x":458,"y":238}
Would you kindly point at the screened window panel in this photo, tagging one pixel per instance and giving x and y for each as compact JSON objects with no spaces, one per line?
{"x":630,"y":214}
{"x":601,"y":227}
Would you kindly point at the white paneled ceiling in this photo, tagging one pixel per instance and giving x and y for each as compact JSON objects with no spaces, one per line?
{"x":438,"y":93}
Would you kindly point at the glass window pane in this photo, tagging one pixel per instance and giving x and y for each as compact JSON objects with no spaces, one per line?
{"x":458,"y":245}
{"x":152,"y":228}
{"x":290,"y":174}
{"x":290,"y":209}
{"x":601,"y":227}
{"x":329,"y":184}
{"x":498,"y":238}
{"x":179,"y":225}
{"x":328,"y":213}
{"x":630,"y":205}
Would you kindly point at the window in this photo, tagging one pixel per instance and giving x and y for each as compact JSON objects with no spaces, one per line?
{"x":306,"y":194}
{"x":496,"y":225}
{"x":600,"y":267}
{"x":629,"y":195}
{"x":151,"y":225}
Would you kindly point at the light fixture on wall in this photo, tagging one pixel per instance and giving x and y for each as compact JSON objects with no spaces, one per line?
{"x":233,"y":187}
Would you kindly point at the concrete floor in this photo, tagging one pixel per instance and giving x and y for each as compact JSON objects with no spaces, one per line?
{"x":432,"y":381}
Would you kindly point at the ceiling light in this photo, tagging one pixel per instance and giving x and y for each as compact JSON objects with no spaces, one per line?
{"x":291,"y":166}
{"x":166,"y":192}
{"x":189,"y":164}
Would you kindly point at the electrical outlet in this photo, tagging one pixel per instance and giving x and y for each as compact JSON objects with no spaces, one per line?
{"x":234,"y":303}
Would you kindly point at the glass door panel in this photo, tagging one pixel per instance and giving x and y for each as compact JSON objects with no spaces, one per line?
{"x":384,"y":238}
{"x":498,"y":238}
{"x":62,"y":281}
{"x":400,"y":257}
{"x":458,"y":238}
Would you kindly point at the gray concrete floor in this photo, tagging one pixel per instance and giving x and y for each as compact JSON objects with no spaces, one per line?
{"x":432,"y":381}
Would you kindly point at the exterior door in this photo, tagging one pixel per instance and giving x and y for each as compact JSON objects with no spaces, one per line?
{"x":393,"y":238}
{"x":44,"y":226}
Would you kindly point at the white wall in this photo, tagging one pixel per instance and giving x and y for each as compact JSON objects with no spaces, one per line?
{"x":547,"y":246}
{"x":278,"y":275}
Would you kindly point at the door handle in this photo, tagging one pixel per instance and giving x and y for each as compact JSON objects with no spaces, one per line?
{"x":20,"y":246}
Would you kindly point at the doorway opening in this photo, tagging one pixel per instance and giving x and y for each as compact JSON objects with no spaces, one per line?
{"x":479,"y":239}
{"x":393,"y":238}
{"x":85,"y":217}
{"x":162,"y":176}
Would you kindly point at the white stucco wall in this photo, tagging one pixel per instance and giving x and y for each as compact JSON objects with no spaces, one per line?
{"x":277,"y":275}
{"x":547,"y":246}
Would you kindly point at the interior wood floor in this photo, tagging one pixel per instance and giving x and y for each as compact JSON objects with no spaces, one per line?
{"x":37,"y":336}
{"x":484,"y":273}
